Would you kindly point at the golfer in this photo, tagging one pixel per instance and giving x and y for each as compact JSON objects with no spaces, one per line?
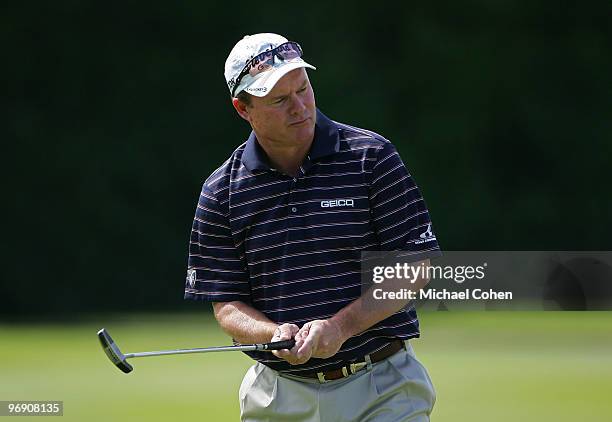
{"x":276,"y":247}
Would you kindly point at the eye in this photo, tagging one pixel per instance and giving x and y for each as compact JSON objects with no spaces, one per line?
{"x":303,"y":89}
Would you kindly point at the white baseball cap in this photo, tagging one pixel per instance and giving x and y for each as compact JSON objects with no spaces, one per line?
{"x":257,"y":62}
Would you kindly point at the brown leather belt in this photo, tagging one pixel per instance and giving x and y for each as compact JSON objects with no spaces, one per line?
{"x":352,"y":367}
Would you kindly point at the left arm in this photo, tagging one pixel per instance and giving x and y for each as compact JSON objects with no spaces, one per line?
{"x":323,"y":338}
{"x":400,"y":218}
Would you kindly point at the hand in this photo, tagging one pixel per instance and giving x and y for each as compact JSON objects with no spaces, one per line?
{"x":287,"y":332}
{"x":321,"y":338}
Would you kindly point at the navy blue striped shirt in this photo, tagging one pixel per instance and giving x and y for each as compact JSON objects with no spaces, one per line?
{"x":290,"y":246}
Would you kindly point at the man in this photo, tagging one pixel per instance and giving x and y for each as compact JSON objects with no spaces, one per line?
{"x":276,"y":244}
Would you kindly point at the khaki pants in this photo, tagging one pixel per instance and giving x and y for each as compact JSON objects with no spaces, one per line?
{"x":395,"y":389}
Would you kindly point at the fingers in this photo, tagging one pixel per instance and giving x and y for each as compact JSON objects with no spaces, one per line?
{"x":308,"y":336}
{"x":303,"y":333}
{"x":286,"y":332}
{"x":320,"y":339}
{"x":304,"y":350}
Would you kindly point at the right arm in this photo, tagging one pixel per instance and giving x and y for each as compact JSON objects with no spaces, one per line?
{"x":244,"y":323}
{"x":217,"y":273}
{"x":247,"y":325}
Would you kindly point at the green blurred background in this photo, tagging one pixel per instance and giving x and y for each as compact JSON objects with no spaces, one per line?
{"x":486,"y":366}
{"x":115,"y":112}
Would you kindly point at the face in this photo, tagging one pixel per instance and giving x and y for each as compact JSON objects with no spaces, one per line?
{"x":286,"y":115}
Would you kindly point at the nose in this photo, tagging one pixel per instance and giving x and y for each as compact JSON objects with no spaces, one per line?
{"x":298,"y":105}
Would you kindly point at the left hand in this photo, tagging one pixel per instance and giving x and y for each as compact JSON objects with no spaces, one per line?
{"x":286,"y":332}
{"x":321,"y":338}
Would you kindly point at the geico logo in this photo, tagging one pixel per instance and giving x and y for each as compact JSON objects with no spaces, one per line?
{"x":338,"y":203}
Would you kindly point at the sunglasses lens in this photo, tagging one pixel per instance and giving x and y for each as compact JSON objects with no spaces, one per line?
{"x":289,"y":51}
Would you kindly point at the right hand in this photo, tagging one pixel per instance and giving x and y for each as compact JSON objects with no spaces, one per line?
{"x":287,"y":332}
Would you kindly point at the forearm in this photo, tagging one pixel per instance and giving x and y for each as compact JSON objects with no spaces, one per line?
{"x":244,"y":323}
{"x":366,"y":311}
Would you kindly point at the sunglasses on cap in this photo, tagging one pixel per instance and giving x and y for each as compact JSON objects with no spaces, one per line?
{"x":265,"y":61}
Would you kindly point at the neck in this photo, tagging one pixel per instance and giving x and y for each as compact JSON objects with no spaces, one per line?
{"x":286,"y":158}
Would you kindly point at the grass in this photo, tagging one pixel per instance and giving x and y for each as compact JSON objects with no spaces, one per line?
{"x":502,"y":366}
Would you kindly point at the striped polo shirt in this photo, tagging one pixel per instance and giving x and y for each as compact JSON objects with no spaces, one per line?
{"x":291,"y":246}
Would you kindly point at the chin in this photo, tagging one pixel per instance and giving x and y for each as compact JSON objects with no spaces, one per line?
{"x":305,"y":134}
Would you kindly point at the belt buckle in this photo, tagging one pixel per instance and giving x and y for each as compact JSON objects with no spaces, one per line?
{"x":357,"y":366}
{"x":353,"y":367}
{"x":345,"y":373}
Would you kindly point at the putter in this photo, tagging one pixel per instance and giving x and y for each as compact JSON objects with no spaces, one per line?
{"x":120,"y":360}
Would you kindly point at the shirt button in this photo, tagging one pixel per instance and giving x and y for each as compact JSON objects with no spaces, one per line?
{"x":293,"y":209}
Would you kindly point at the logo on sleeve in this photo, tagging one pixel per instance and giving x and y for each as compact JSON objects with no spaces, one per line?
{"x":191,"y":278}
{"x":426,"y":236}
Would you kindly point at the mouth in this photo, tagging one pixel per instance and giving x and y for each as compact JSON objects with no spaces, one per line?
{"x":300,"y":122}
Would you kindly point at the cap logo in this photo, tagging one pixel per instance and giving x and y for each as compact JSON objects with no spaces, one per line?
{"x":261,"y":89}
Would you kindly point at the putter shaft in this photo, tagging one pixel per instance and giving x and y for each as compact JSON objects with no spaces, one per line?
{"x":120,"y":360}
{"x":239,"y":348}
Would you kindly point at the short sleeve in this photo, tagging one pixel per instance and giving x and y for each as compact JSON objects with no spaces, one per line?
{"x":399,"y":212}
{"x":216,"y":270}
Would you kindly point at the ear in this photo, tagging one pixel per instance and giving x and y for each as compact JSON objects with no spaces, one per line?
{"x":241,"y":109}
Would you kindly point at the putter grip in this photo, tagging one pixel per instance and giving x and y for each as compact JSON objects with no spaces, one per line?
{"x":279,"y":345}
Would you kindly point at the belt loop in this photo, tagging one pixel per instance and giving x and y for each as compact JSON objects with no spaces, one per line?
{"x":368,"y":362}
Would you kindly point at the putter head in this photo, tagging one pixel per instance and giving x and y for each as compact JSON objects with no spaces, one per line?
{"x":113,"y":352}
